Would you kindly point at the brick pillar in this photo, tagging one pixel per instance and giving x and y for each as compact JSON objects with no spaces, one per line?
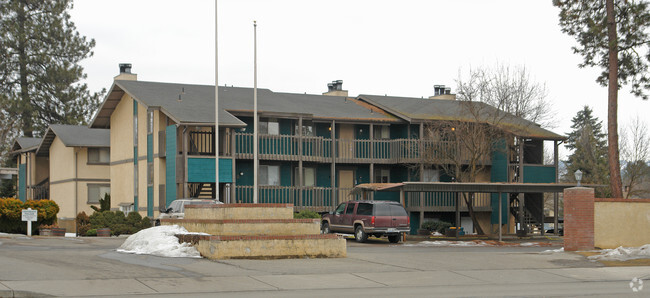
{"x":578,"y":219}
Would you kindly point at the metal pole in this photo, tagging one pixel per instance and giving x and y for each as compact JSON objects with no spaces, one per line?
{"x":216,"y":105}
{"x":255,"y":119}
{"x":500,"y":219}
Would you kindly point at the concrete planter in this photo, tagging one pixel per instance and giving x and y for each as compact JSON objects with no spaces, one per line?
{"x":45,"y":232}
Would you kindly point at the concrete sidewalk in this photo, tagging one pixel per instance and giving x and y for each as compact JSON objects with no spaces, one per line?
{"x":41,"y":266}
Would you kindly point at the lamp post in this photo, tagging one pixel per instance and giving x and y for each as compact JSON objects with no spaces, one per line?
{"x":578,"y":175}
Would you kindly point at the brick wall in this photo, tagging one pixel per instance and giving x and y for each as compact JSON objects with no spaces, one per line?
{"x":578,"y":219}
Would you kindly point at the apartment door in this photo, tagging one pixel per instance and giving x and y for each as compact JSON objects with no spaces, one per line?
{"x":346,"y":183}
{"x":346,"y":141}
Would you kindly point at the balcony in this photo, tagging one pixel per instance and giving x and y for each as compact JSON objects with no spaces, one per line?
{"x":319,"y":149}
{"x":320,"y":198}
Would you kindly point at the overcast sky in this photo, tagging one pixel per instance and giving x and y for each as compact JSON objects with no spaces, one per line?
{"x":399,"y":48}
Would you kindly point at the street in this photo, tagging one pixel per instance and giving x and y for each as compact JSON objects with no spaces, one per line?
{"x":41,"y":266}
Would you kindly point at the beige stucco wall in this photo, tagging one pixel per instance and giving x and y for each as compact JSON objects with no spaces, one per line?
{"x":121,"y":171}
{"x":619,"y":222}
{"x":41,"y":169}
{"x":142,"y":159}
{"x":69,"y":179}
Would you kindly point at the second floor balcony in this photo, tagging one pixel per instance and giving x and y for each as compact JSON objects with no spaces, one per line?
{"x":320,"y":149}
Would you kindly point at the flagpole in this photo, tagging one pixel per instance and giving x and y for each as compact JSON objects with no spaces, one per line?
{"x":255,"y":124}
{"x":216,"y":106}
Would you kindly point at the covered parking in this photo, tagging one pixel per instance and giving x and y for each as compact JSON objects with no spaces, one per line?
{"x":464,"y":187}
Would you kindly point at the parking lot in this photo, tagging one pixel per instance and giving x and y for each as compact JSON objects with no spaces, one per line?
{"x":91,"y":267}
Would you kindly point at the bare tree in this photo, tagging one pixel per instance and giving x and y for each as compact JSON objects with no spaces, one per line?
{"x":635,"y":151}
{"x":492,"y":104}
{"x":509,"y":89}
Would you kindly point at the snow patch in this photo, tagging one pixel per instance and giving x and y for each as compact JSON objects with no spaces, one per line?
{"x":552,"y":251}
{"x":160,"y":241}
{"x":448,"y":243}
{"x":623,"y":253}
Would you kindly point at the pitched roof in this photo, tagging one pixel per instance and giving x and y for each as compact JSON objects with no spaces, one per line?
{"x":424,"y":109}
{"x":74,"y":136}
{"x":197,"y":103}
{"x":24,"y":144}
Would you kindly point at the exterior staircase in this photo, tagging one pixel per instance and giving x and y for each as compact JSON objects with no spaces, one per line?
{"x":255,"y":231}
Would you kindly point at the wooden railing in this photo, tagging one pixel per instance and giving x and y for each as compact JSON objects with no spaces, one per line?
{"x":287,"y":147}
{"x":445,"y":201}
{"x":313,"y":198}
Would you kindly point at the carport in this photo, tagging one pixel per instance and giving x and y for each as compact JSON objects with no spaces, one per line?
{"x":460,"y":187}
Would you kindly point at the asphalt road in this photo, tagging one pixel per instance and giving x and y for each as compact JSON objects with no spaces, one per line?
{"x":84,"y":267}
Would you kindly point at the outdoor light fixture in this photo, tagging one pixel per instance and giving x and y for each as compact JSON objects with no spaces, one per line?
{"x":578,"y":175}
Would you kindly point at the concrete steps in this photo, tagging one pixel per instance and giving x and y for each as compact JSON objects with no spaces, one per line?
{"x":255,"y":231}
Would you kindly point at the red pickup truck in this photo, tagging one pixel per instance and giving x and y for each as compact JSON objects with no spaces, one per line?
{"x":363,"y":218}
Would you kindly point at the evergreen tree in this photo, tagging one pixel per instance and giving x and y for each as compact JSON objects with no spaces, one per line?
{"x":589,"y":145}
{"x":40,"y":75}
{"x":612,"y":35}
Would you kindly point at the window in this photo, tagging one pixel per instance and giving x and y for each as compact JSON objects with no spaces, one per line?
{"x":99,"y":155}
{"x":381,"y":132}
{"x":135,"y":180}
{"x":382,"y":175}
{"x":269,"y":175}
{"x":97,"y":191}
{"x":150,"y":174}
{"x":269,"y":127}
{"x":431,"y":175}
{"x":309,"y":175}
{"x":149,"y":121}
{"x":364,"y":209}
{"x":339,"y":209}
{"x":307,"y":129}
{"x":350,"y":208}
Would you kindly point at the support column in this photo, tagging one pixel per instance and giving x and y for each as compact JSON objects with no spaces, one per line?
{"x":333,"y":166}
{"x":233,"y":153}
{"x":556,"y":209}
{"x":185,"y":149}
{"x":578,"y":219}
{"x":522,"y":199}
{"x":301,"y":181}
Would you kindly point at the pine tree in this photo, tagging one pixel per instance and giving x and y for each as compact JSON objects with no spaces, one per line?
{"x":612,"y":35}
{"x":40,"y":75}
{"x":589,"y":145}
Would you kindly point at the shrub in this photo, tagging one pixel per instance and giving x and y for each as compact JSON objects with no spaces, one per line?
{"x":11,"y":214}
{"x":83,"y":223}
{"x":118,"y":223}
{"x":436,"y":225}
{"x":91,"y":232}
{"x":306,"y":214}
{"x":104,"y":204}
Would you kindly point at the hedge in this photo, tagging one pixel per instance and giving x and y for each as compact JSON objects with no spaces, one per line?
{"x":11,"y":214}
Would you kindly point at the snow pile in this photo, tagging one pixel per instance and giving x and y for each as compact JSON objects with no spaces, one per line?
{"x":449,"y":243}
{"x":623,"y":254}
{"x":159,"y":241}
{"x":551,"y":251}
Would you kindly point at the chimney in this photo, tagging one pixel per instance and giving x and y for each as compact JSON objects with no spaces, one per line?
{"x":442,"y":92}
{"x":335,"y":88}
{"x":125,"y":73}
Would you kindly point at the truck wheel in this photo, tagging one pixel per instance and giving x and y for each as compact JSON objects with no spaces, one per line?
{"x":394,"y":238}
{"x":360,"y":235}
